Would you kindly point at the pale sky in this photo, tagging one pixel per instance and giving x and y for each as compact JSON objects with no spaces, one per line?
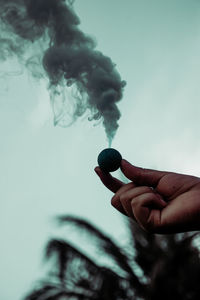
{"x":47,"y":170}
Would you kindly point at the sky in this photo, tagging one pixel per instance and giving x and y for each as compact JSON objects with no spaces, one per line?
{"x":47,"y":170}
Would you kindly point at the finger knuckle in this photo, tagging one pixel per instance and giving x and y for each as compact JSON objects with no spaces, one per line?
{"x":129,"y":185}
{"x":134,"y":202}
{"x":113,"y":201}
{"x":147,"y":189}
{"x":122,"y":198}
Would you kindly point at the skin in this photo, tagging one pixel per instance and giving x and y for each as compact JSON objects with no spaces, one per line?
{"x":160,"y":202}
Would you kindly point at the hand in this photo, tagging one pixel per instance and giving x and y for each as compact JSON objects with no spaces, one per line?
{"x":160,"y":202}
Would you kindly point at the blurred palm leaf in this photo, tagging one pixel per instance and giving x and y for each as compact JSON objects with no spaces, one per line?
{"x":168,"y":264}
{"x":104,"y":243}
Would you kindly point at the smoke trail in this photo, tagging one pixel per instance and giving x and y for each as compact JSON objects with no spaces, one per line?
{"x":46,"y":33}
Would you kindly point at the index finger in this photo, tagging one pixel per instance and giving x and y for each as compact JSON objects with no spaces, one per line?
{"x":112,"y":183}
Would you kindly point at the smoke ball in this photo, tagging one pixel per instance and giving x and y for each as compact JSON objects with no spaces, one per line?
{"x":109,"y":160}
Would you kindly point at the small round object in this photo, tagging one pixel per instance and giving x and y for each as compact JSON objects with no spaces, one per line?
{"x":109,"y":160}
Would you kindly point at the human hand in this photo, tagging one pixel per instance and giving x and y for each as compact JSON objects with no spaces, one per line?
{"x":160,"y":202}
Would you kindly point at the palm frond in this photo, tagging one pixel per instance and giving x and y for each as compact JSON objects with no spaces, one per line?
{"x":69,"y":295}
{"x":165,"y":261}
{"x":177,"y":276}
{"x":41,"y":292}
{"x":148,"y":248}
{"x":107,"y":246}
{"x":83,"y":275}
{"x":69,"y":259}
{"x":113,"y":287}
{"x":102,"y":241}
{"x":56,"y":294}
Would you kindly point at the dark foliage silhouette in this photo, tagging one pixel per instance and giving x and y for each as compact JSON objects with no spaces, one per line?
{"x":151,"y":266}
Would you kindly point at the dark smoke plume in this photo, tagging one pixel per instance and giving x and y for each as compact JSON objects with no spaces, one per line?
{"x":46,"y":33}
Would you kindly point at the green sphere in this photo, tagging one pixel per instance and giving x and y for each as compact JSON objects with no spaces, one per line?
{"x":109,"y":160}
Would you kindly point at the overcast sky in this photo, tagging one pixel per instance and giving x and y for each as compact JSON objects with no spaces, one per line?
{"x":47,"y":170}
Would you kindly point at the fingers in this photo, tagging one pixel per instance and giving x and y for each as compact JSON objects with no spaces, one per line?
{"x":147,"y":211}
{"x":126,"y":205}
{"x":142,"y":203}
{"x":112,"y":183}
{"x":141,"y":176}
{"x":139,"y":203}
{"x":138,"y":175}
{"x":138,"y":191}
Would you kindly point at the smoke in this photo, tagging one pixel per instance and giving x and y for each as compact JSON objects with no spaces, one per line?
{"x":45,"y":37}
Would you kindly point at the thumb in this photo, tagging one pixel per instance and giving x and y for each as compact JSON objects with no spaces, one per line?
{"x":141,"y":176}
